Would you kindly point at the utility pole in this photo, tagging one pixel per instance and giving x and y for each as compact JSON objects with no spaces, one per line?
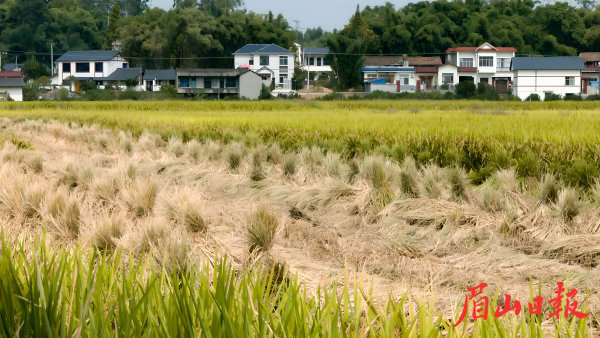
{"x":1,"y":59}
{"x":51,"y":59}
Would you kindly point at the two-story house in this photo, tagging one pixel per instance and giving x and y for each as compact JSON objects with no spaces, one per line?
{"x":590,"y":76}
{"x":11,"y":86}
{"x":93,"y":65}
{"x":484,"y":64}
{"x":313,"y":60}
{"x":273,"y":63}
{"x":542,"y":75}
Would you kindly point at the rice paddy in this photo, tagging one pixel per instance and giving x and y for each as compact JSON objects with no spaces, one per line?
{"x":294,"y":218}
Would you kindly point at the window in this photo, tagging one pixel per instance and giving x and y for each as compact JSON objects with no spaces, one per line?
{"x":466,"y":62}
{"x":403,"y":80}
{"x":448,"y":78}
{"x":569,"y":81}
{"x":265,"y":77}
{"x":264,"y":60}
{"x":319,"y":60}
{"x":325,"y":62}
{"x":486,"y":61}
{"x":66,"y":67}
{"x":282,"y":79}
{"x":82,"y":67}
{"x":311,"y":61}
{"x":98,"y":67}
{"x":283,"y":60}
{"x":125,"y":65}
{"x":371,"y":75}
{"x":231,"y":82}
{"x":251,"y":62}
{"x":207,"y":82}
{"x":184,"y":82}
{"x":503,"y":62}
{"x":389,"y":77}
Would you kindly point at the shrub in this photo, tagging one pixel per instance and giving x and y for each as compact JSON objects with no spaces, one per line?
{"x":581,"y":173}
{"x":551,"y":97}
{"x":265,"y":93}
{"x":533,"y":97}
{"x":573,"y":97}
{"x":332,"y":97}
{"x":168,"y":91}
{"x":465,"y":89}
{"x":262,"y":229}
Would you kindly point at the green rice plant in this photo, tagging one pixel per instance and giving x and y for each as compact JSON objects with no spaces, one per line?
{"x":53,"y":291}
{"x":262,"y":229}
{"x":568,"y":204}
{"x":581,"y":173}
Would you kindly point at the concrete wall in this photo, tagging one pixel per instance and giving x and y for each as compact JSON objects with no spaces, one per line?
{"x":527,"y":82}
{"x":447,"y":70}
{"x":250,"y":85}
{"x":15,"y":93}
{"x":389,"y":88}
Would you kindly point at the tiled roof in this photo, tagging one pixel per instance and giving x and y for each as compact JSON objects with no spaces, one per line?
{"x":11,"y":74}
{"x":467,"y":69}
{"x":493,"y":49}
{"x":547,"y":63}
{"x":398,"y":61}
{"x":316,"y":51}
{"x":123,"y":74}
{"x":262,"y":48}
{"x":211,"y":71}
{"x":159,"y":74}
{"x":88,"y":55}
{"x":590,"y":56}
{"x":12,"y":82}
{"x":426,"y":69}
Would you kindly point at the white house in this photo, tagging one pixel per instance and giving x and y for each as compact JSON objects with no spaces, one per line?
{"x":88,"y":65}
{"x":155,"y":78}
{"x":313,"y":60}
{"x":484,"y":64}
{"x":273,"y":63}
{"x":400,"y":73}
{"x":219,"y":83}
{"x":541,"y":75}
{"x":11,"y":86}
{"x":590,"y":76}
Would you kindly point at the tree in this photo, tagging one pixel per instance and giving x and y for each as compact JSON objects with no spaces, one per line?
{"x":132,"y":82}
{"x":465,"y":89}
{"x":111,"y":32}
{"x":33,"y":70}
{"x":348,"y":48}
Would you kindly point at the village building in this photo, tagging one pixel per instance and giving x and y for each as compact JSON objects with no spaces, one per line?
{"x":559,"y":75}
{"x":401,"y":73}
{"x":154,"y":79}
{"x":483,"y":64}
{"x":95,"y":65}
{"x":219,"y":83}
{"x":590,"y":76}
{"x":273,"y":63}
{"x":11,"y":86}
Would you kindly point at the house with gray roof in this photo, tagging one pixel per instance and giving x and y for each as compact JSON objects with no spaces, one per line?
{"x":93,"y":65}
{"x":313,"y":60}
{"x":11,"y":86}
{"x":121,"y":77}
{"x":273,"y":63}
{"x":544,"y":75}
{"x":155,"y":78}
{"x":12,"y":67}
{"x":219,"y":83}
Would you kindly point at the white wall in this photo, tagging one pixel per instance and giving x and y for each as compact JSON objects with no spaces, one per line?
{"x":15,"y":93}
{"x":445,"y":70}
{"x":108,"y":68}
{"x":243,"y":59}
{"x":527,"y":82}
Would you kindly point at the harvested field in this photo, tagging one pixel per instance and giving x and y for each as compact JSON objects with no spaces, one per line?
{"x":398,"y":226}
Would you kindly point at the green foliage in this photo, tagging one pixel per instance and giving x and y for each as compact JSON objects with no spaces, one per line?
{"x":87,"y":85}
{"x":132,"y":82}
{"x":533,"y":97}
{"x":465,"y":89}
{"x":551,"y":97}
{"x":299,"y":76}
{"x":113,"y":22}
{"x":265,"y":93}
{"x":34,"y":70}
{"x":169,"y":91}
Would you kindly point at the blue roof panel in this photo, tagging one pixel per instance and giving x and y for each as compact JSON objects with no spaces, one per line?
{"x":88,"y":55}
{"x":262,"y":48}
{"x":547,"y":63}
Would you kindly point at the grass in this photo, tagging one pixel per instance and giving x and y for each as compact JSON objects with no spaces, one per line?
{"x":443,"y":132}
{"x":262,"y":229}
{"x":48,"y":291}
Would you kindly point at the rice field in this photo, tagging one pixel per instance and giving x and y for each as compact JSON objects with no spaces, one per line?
{"x":231,"y":219}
